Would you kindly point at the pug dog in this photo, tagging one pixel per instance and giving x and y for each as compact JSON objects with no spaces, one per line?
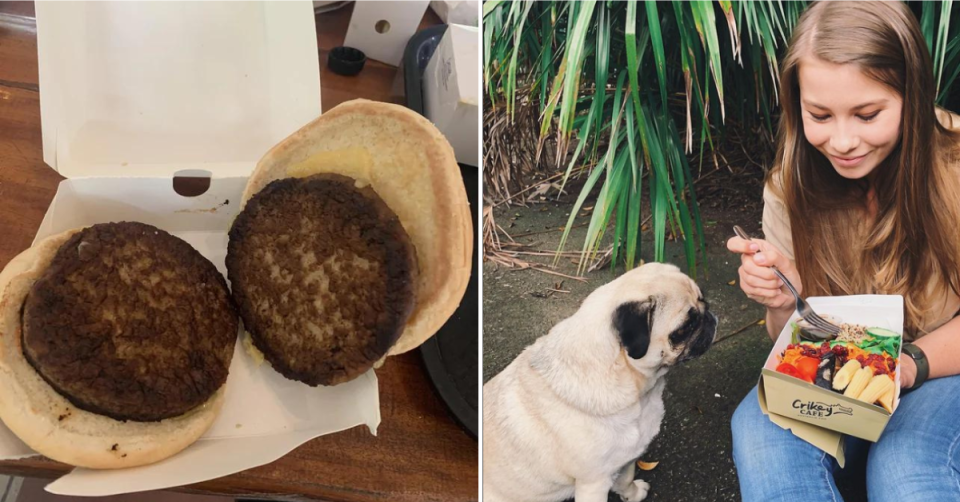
{"x":570,"y":415}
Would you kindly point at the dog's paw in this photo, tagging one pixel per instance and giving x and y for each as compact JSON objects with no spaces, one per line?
{"x":636,"y":491}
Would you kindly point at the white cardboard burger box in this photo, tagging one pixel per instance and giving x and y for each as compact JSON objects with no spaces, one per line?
{"x":820,"y":416}
{"x":132,"y":94}
{"x":451,"y":91}
{"x":381,"y":29}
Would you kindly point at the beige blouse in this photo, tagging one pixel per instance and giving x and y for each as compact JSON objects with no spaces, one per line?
{"x":776,"y":229}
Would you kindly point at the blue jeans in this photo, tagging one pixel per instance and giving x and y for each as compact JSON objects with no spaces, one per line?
{"x":916,"y":459}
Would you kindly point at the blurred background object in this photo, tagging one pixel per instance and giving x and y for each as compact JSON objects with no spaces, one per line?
{"x":457,"y":11}
{"x":382,"y":29}
{"x":451,"y":355}
{"x":451,"y":91}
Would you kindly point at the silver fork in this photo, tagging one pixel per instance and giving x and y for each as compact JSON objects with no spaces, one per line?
{"x":803,"y":307}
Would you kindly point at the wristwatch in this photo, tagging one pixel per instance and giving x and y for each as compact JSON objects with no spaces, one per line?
{"x":923,"y":366}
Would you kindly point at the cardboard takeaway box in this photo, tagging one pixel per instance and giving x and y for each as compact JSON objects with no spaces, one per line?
{"x":820,"y":416}
{"x":133,"y":94}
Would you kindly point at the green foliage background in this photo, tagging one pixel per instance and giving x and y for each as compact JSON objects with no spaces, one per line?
{"x":614,"y":75}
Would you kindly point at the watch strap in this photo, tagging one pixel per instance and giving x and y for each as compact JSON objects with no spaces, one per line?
{"x":920,"y":359}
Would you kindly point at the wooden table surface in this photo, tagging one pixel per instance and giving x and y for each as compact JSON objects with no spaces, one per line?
{"x":420,"y":453}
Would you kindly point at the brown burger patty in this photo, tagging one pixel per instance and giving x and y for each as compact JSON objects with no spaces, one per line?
{"x":323,"y":275}
{"x":130,"y":322}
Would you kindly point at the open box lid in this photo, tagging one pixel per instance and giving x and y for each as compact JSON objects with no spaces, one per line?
{"x":149,"y":89}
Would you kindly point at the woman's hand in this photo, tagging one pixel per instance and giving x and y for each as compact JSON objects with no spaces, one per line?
{"x":758,"y":281}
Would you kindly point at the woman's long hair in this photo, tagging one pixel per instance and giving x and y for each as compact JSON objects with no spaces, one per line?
{"x":912,"y":246}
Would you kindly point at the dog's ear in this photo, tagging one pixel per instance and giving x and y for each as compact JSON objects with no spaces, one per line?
{"x":633,"y":322}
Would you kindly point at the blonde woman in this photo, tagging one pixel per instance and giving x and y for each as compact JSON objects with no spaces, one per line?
{"x":865,"y":198}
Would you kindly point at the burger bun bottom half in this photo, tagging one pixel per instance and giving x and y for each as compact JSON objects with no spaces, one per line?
{"x":51,"y":425}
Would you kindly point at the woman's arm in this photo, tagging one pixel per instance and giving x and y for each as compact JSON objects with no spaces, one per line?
{"x":776,"y":320}
{"x":942,"y":348}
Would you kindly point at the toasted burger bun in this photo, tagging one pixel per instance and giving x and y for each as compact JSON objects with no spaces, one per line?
{"x":50,"y":424}
{"x":412,"y":167}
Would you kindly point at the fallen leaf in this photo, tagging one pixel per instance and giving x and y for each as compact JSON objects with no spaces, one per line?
{"x":646,"y":466}
{"x":761,"y":322}
{"x":732,"y":283}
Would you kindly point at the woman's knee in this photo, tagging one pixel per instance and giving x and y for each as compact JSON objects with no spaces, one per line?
{"x":918,"y":455}
{"x":752,"y":431}
{"x":746,"y":417}
{"x":906,"y":465}
{"x":772,"y":463}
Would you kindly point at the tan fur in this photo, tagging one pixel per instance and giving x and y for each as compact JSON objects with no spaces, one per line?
{"x":416,"y":174}
{"x":574,"y":410}
{"x":50,"y":424}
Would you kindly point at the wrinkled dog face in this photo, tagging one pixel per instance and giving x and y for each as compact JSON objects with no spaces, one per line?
{"x":661,"y":317}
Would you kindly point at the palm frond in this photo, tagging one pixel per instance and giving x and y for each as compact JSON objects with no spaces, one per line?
{"x":709,"y":60}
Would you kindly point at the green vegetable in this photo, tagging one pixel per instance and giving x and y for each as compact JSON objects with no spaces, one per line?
{"x":881,"y":332}
{"x":882,"y":340}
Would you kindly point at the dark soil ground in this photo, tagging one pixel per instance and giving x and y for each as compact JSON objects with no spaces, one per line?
{"x":694,"y":445}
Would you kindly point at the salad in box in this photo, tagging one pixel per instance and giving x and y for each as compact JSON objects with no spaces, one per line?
{"x":847,"y":383}
{"x":860,"y":362}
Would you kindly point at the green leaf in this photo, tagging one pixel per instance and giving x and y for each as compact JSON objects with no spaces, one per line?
{"x":633,"y":66}
{"x":602,"y":64}
{"x":941,"y":46}
{"x":512,"y":67}
{"x":587,"y":187}
{"x":547,"y":119}
{"x":633,"y":199}
{"x":653,"y":20}
{"x":602,"y":207}
{"x":489,"y":6}
{"x":575,"y":56}
{"x":582,"y":136}
{"x":624,"y":207}
{"x":707,"y":28}
{"x":927,"y":23}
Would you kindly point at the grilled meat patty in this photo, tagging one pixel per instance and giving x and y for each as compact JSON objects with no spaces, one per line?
{"x":130,"y":322}
{"x":323,"y":275}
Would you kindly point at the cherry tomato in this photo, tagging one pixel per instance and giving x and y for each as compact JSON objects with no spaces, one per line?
{"x":789,"y":369}
{"x":807,"y":366}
